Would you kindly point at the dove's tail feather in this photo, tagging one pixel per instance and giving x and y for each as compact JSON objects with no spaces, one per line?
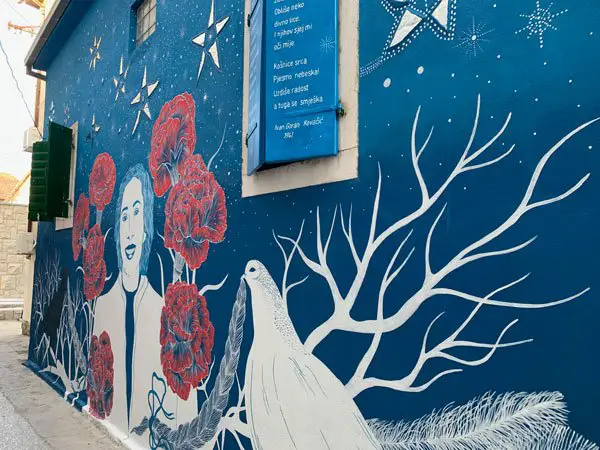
{"x":563,"y":438}
{"x":202,"y":429}
{"x":509,"y":421}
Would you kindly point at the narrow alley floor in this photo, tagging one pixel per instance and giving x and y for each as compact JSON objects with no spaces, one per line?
{"x":32,"y":415}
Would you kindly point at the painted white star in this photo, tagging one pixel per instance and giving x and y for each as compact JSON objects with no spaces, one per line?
{"x":95,"y":53}
{"x":440,"y":16}
{"x":119,"y":80}
{"x":141,"y":99}
{"x":328,"y":44}
{"x":411,"y":18}
{"x":95,"y":128}
{"x":207,"y":40}
{"x":540,"y":21}
{"x":472,"y":39}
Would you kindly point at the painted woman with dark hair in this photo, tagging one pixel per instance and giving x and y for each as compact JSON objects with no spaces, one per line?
{"x":130,"y":312}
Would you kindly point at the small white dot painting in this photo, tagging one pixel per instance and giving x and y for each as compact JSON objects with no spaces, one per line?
{"x":420,"y":70}
{"x":387,"y":82}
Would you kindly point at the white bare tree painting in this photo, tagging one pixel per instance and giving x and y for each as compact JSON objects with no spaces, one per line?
{"x":61,"y":344}
{"x":46,"y":283}
{"x":68,"y":361}
{"x":507,"y":421}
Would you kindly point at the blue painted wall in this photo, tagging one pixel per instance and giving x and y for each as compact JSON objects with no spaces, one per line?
{"x":544,"y":80}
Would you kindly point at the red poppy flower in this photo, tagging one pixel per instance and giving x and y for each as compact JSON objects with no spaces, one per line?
{"x":102,"y":181}
{"x":81,"y":224}
{"x":100,"y":376}
{"x":192,"y":169}
{"x":173,"y":141}
{"x":196,"y":215}
{"x":94,"y":267}
{"x":186,"y":338}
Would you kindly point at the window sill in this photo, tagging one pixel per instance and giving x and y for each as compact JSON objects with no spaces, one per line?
{"x":63,"y":224}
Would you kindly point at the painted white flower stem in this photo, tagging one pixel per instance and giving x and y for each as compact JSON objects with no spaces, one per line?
{"x":213,"y":287}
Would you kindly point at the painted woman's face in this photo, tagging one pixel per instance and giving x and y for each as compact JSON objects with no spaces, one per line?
{"x":131,"y":230}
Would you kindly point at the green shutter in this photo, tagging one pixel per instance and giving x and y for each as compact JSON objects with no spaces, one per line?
{"x":50,"y":175}
{"x":59,"y":173}
{"x":38,"y":192}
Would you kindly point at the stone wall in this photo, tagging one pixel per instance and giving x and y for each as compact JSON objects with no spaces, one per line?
{"x":13,"y":220}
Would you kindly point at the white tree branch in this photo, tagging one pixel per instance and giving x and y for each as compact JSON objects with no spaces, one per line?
{"x":407,"y":384}
{"x":518,"y":305}
{"x":388,"y":278}
{"x":341,"y":318}
{"x":349,"y":237}
{"x":490,"y":162}
{"x":285,"y":289}
{"x":430,"y":283}
{"x":415,"y":155}
{"x":428,"y":271}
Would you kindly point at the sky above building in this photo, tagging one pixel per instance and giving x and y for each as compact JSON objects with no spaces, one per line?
{"x":14,"y":117}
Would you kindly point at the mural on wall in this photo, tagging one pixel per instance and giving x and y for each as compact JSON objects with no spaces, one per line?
{"x":293,"y":400}
{"x":373,"y":333}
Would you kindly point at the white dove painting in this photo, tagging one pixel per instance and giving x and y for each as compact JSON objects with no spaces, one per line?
{"x":293,"y":401}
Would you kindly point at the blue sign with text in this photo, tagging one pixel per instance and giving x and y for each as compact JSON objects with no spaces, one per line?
{"x":301,"y":76}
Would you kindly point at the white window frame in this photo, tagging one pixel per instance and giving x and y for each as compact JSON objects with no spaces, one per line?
{"x":143,"y":33}
{"x":319,"y":171}
{"x":64,"y":223}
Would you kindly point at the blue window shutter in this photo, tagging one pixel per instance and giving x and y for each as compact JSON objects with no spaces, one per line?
{"x":255,"y":137}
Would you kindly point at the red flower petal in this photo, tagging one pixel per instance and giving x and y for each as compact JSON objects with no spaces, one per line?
{"x":102,"y":181}
{"x":173,"y":141}
{"x":187,"y":338}
{"x":196,"y":215}
{"x":81,"y":224}
{"x":192,"y":169}
{"x":100,"y":376}
{"x":94,"y":267}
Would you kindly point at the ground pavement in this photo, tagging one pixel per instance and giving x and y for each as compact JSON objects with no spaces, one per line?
{"x":32,"y":415}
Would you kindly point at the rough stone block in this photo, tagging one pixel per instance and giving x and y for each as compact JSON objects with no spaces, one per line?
{"x":9,"y":282}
